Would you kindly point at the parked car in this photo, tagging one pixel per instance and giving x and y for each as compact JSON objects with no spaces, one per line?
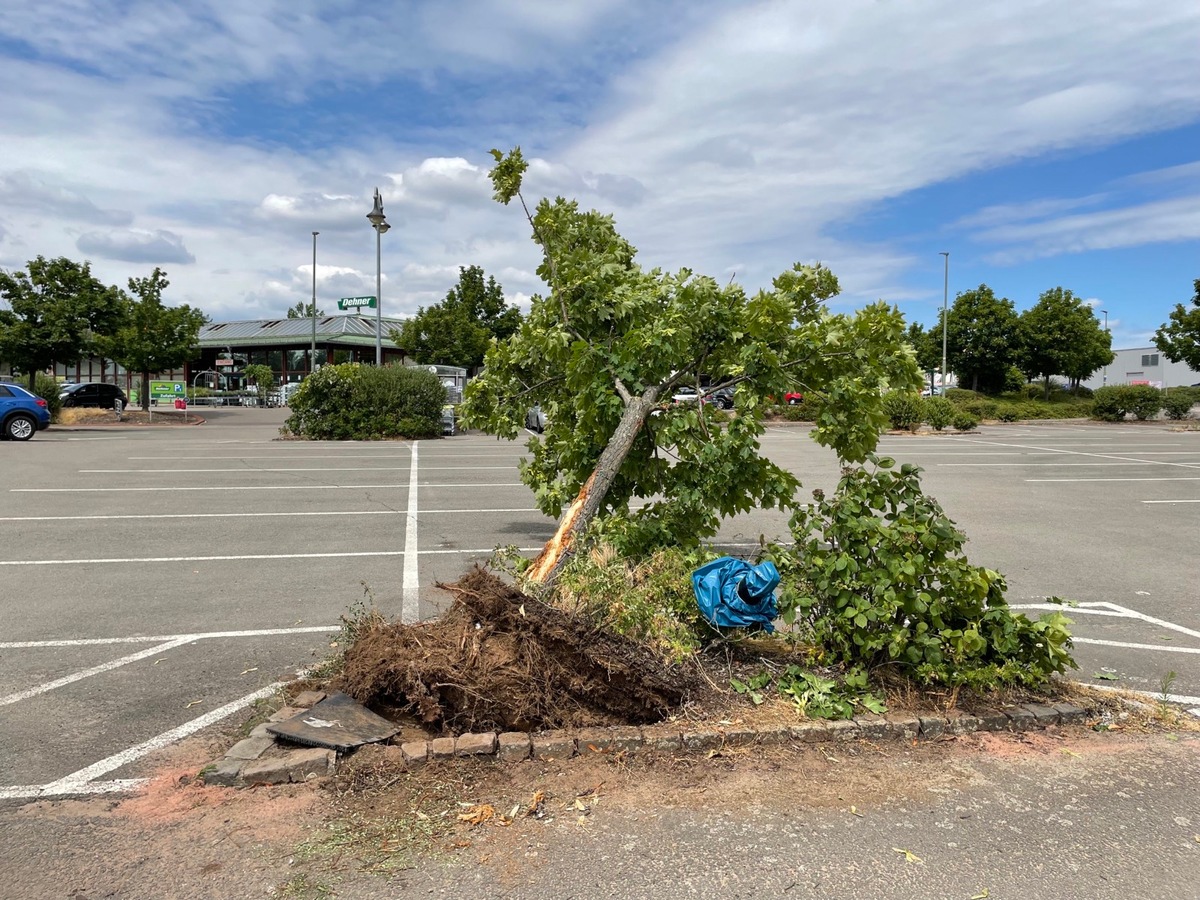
{"x":535,"y":419}
{"x":685,"y":395}
{"x":722,"y":398}
{"x":792,"y":398}
{"x":935,"y":391}
{"x":22,"y":414}
{"x":94,"y":393}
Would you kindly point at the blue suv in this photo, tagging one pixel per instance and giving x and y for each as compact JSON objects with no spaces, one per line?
{"x":21,"y":413}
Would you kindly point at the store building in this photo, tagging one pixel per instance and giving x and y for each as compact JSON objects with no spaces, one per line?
{"x":1143,"y":365}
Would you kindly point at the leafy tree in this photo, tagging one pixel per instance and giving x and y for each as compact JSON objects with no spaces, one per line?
{"x":304,"y":310}
{"x":1180,"y":340}
{"x":58,"y":311}
{"x":611,"y":342}
{"x":155,"y":338}
{"x":263,"y":378}
{"x":1059,"y":335}
{"x":981,"y":339}
{"x":927,"y":346}
{"x":457,"y":331}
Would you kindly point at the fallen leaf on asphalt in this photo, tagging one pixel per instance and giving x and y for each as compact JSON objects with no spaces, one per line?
{"x":854,"y":812}
{"x":535,"y":805}
{"x":1105,"y":676}
{"x":1198,"y":839}
{"x":160,"y":659}
{"x":982,"y":895}
{"x":1067,"y":752}
{"x":193,"y":703}
{"x":478,"y":814}
{"x":248,"y":671}
{"x":909,"y":856}
{"x":582,"y":821}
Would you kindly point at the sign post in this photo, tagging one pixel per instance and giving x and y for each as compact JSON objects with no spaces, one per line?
{"x":169,"y":390}
{"x":357,"y":303}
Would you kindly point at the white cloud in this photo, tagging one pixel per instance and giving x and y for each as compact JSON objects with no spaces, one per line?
{"x":136,"y":245}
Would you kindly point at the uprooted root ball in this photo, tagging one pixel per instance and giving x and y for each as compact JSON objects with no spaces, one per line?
{"x":499,"y":660}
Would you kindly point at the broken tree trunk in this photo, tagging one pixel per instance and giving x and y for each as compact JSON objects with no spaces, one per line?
{"x":583,"y":508}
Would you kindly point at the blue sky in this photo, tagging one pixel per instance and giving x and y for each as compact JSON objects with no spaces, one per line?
{"x":1040,"y":143}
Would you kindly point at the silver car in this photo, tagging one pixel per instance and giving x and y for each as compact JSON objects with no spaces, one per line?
{"x":535,"y":419}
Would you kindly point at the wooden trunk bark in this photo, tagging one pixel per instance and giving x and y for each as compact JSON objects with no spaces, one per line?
{"x":579,"y":514}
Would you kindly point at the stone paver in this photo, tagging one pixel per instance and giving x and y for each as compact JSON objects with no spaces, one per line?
{"x":513,"y":746}
{"x":475,"y":744}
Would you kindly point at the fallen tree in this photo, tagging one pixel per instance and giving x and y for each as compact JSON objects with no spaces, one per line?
{"x":604,"y":351}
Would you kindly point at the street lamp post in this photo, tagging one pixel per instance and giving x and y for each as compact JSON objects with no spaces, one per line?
{"x":1106,"y":331}
{"x":380,"y":224}
{"x":945,"y":315}
{"x":312,"y":358}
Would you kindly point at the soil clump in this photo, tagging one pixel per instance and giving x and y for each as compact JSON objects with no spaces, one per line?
{"x":499,"y":660}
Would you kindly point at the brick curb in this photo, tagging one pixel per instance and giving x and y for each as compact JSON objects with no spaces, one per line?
{"x":260,"y":759}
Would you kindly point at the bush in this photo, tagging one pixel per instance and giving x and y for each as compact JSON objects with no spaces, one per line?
{"x":1114,"y":402}
{"x":1145,"y":401}
{"x":904,"y":411}
{"x":47,"y":387}
{"x":649,"y":600}
{"x":939,"y":412}
{"x":960,"y":395}
{"x":804,"y":411}
{"x":964,"y":421}
{"x":357,"y":402}
{"x":877,"y":576}
{"x":1177,"y":404}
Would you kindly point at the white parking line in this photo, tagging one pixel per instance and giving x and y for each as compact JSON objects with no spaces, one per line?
{"x":1134,"y":646}
{"x":409,"y":611}
{"x":234,"y":558}
{"x":1171,"y":501}
{"x":232,"y":487}
{"x":259,"y":515}
{"x":94,"y":670}
{"x":1059,"y":465}
{"x":1076,"y":480}
{"x":147,"y":639}
{"x":245,"y":470}
{"x":1103,"y":607}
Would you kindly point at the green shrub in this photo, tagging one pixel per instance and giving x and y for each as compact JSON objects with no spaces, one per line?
{"x":1009,"y":412}
{"x":804,"y":411}
{"x":939,"y":412}
{"x":47,"y":387}
{"x":1177,"y":404}
{"x":649,"y":600}
{"x":904,"y":411}
{"x":1108,"y":404}
{"x":1014,"y":379}
{"x":964,"y":421}
{"x":960,"y":395}
{"x":877,"y":576}
{"x":351,"y":401}
{"x":1145,"y":401}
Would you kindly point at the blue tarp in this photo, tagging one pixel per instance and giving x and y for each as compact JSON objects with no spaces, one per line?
{"x":732,"y":593}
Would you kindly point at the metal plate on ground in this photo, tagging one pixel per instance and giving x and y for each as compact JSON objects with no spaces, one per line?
{"x":338,"y":722}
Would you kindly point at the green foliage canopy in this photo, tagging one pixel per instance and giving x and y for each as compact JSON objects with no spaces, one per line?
{"x":612,"y":340}
{"x":981,"y":339}
{"x":304,"y":309}
{"x":1060,"y":335}
{"x":457,"y":331}
{"x":354,"y":402}
{"x":57,"y":313}
{"x":1179,"y":340}
{"x":153,"y":337}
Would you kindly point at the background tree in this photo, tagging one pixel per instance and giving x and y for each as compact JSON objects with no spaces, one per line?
{"x":926,"y":347}
{"x":263,"y":378}
{"x":304,"y":310}
{"x":155,"y":338}
{"x":457,"y":331}
{"x":57,"y":313}
{"x":611,"y":342}
{"x":1179,"y":341}
{"x":1060,"y":335}
{"x":981,"y":339}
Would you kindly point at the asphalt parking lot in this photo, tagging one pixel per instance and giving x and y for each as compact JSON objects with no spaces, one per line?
{"x":156,"y":581}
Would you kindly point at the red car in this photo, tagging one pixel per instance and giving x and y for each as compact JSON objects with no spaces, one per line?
{"x":791,"y":398}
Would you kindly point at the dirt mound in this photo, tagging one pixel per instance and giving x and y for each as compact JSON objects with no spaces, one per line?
{"x":499,"y":660}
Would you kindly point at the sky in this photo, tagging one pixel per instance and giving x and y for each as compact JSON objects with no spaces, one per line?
{"x":1040,"y":144}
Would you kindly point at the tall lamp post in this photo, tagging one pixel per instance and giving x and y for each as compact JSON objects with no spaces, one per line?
{"x":1105,"y":311}
{"x":312,"y":358}
{"x":380,"y":224}
{"x":945,"y":315}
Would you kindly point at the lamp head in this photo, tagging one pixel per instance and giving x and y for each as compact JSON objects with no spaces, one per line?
{"x":376,"y":214}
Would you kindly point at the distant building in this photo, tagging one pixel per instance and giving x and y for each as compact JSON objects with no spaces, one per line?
{"x":1143,"y":365}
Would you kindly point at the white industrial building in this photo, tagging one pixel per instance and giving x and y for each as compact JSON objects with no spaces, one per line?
{"x":1143,"y":365}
